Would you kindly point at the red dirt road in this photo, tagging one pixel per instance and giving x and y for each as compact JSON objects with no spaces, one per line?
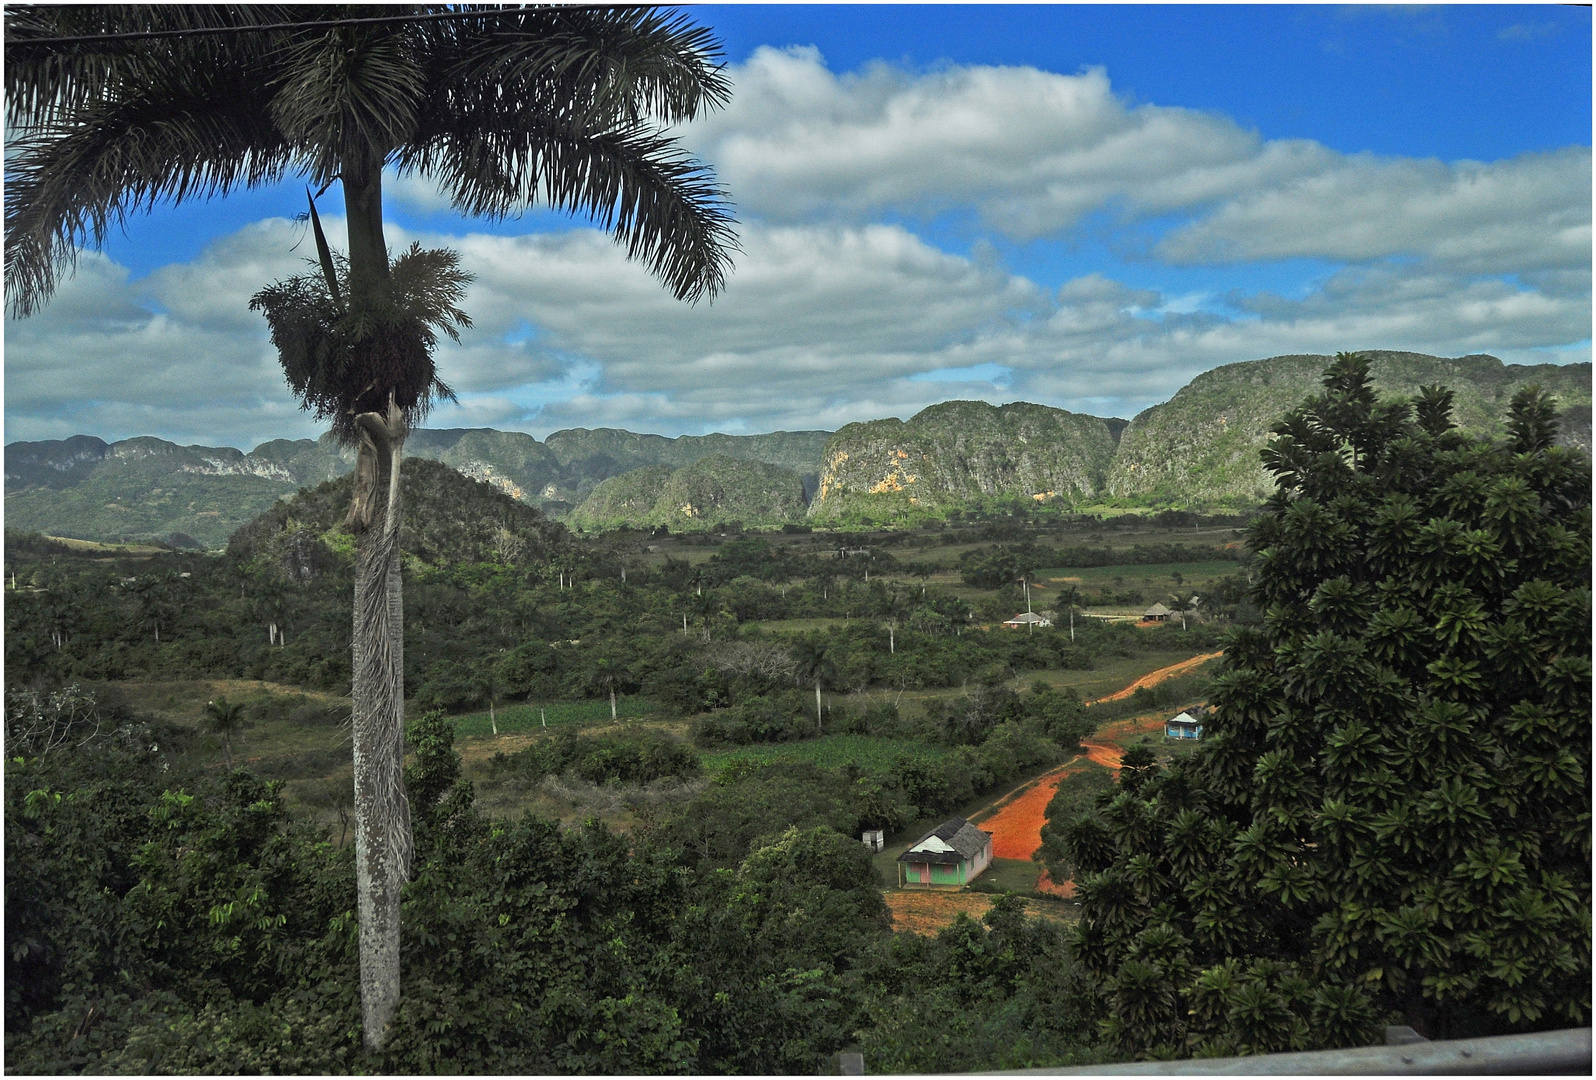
{"x":1015,"y":821}
{"x":1153,"y":678}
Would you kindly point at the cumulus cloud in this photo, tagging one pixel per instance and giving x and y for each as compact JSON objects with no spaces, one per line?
{"x":1035,"y":151}
{"x":1525,"y":213}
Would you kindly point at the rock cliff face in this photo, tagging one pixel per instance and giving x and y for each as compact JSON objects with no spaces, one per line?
{"x":960,"y":453}
{"x":1201,"y":446}
{"x":711,"y":491}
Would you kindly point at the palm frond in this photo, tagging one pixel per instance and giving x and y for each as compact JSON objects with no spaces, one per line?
{"x":657,"y":200}
{"x":54,"y":81}
{"x":612,"y":65}
{"x":168,"y":121}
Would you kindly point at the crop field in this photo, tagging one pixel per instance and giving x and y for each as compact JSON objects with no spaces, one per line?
{"x":926,"y":912}
{"x":514,"y":719}
{"x":871,"y":753}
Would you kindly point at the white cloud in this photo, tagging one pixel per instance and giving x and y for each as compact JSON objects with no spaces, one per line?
{"x":1034,"y":152}
{"x":1526,"y":213}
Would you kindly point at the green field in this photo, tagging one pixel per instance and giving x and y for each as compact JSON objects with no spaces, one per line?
{"x":518,"y":718}
{"x":871,"y":753}
{"x":1158,"y":574}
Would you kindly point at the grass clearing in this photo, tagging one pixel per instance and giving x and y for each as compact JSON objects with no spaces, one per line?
{"x":1160,"y":575}
{"x":1111,"y":673}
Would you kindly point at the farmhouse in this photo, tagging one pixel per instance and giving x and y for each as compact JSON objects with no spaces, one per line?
{"x":1157,"y":613}
{"x":948,"y":857}
{"x":1027,"y":618}
{"x":1188,"y":725}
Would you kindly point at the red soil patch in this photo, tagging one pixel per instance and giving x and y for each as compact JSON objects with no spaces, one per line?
{"x":1046,"y":884}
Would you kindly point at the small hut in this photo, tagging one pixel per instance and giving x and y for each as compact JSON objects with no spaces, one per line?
{"x":948,"y":857}
{"x":1157,"y":613}
{"x":1184,"y":726}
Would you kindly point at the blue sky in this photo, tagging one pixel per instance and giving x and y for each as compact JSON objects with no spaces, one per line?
{"x":1079,"y":205}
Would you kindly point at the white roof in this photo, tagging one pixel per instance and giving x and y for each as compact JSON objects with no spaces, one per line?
{"x":1185,"y":718}
{"x":932,"y":843}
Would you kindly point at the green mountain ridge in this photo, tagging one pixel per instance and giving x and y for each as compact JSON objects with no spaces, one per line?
{"x":1201,"y":446}
{"x":712,"y":491}
{"x":1197,"y":450}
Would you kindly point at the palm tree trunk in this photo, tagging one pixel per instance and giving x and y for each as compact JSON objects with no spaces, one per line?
{"x":382,"y":812}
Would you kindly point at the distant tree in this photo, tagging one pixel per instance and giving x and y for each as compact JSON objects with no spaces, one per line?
{"x":227,"y":721}
{"x":816,"y":667}
{"x":1179,"y":604}
{"x":1388,"y":818}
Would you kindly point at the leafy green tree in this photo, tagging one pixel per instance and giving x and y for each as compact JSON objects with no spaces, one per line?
{"x":1389,"y":814}
{"x":500,"y":107}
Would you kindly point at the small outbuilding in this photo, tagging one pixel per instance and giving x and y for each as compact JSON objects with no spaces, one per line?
{"x":948,"y":857}
{"x":1188,"y":725}
{"x":1157,"y":613}
{"x":1027,"y":618}
{"x":874,"y":839}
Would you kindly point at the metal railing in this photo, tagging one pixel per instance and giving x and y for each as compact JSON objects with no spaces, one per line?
{"x":1547,"y":1052}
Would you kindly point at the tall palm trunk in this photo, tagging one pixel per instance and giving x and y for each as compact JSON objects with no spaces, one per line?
{"x":382,"y":811}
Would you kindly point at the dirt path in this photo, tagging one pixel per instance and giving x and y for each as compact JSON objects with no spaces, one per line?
{"x":1015,"y":820}
{"x":1153,"y":678}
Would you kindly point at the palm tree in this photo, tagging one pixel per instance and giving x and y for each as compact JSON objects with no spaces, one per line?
{"x":115,"y":109}
{"x":1180,"y":604}
{"x":814,"y":665}
{"x":227,"y":721}
{"x":1070,"y":594}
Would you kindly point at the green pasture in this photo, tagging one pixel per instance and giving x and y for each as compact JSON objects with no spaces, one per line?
{"x":1153,"y":575}
{"x":513,"y":719}
{"x":1112,"y":673}
{"x":872,"y":753}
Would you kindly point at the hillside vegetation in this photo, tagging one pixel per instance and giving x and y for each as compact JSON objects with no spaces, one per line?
{"x":959,"y":453}
{"x":711,"y":492}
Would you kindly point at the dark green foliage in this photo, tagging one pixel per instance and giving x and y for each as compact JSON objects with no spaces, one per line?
{"x":162,"y":922}
{"x":1388,"y":817}
{"x":637,"y":759}
{"x":778,"y":718}
{"x":1002,"y":993}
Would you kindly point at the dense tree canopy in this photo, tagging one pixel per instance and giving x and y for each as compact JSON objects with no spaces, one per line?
{"x":1389,"y":815}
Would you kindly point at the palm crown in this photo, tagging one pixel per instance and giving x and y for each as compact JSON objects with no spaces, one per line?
{"x":503,"y":108}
